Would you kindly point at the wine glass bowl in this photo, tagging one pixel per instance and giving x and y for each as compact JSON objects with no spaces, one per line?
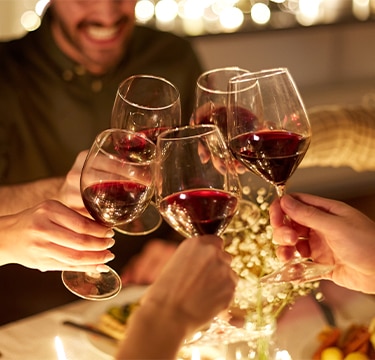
{"x":211,"y":100}
{"x":211,"y":95}
{"x":117,"y":183}
{"x":197,"y":188}
{"x":269,"y":132}
{"x":147,"y":104}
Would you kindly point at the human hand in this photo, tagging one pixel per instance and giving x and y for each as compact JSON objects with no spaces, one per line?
{"x":338,"y":234}
{"x":144,"y":268}
{"x":69,"y":192}
{"x":51,"y":236}
{"x":196,"y":284}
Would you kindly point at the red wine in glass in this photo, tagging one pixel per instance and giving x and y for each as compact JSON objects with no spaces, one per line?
{"x":218,"y":116}
{"x":199,"y":211}
{"x":272,"y":154}
{"x":198,"y":188}
{"x":153,"y":133}
{"x":115,"y":202}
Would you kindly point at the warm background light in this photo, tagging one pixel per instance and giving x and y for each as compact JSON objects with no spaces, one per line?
{"x":200,"y":17}
{"x":144,"y":10}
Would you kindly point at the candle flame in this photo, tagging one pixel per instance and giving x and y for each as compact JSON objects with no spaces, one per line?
{"x":60,"y":349}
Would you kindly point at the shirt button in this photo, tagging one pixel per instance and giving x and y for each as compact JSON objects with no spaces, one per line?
{"x":96,"y":85}
{"x":67,"y":75}
{"x":80,"y":70}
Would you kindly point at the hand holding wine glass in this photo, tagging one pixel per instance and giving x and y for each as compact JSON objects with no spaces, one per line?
{"x":269,"y":132}
{"x":147,"y":104}
{"x":197,"y":186}
{"x":117,"y":183}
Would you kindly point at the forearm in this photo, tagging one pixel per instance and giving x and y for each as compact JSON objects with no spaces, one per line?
{"x":156,"y":327}
{"x":15,"y":198}
{"x":342,"y":137}
{"x":6,"y":224}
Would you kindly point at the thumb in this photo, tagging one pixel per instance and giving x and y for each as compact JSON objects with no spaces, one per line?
{"x":304,"y":213}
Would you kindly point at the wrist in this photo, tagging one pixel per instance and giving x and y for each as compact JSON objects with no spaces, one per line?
{"x":7,"y":224}
{"x":160,"y":327}
{"x":166,"y":319}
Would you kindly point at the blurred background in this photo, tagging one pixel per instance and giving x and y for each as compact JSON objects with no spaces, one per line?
{"x":328,"y":45}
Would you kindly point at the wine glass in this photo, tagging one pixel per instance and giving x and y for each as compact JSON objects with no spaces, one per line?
{"x":197,"y":189}
{"x":148,"y":104}
{"x":211,"y":96}
{"x":269,"y":132}
{"x":117,"y":183}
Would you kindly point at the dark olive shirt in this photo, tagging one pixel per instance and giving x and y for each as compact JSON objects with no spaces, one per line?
{"x":51,"y":108}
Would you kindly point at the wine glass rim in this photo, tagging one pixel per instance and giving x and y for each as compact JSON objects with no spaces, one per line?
{"x":201,"y":129}
{"x":101,"y":137}
{"x":153,"y":77}
{"x":218,"y":70}
{"x":255,"y":75}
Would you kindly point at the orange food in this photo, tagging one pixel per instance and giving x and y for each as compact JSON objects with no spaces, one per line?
{"x":354,"y":343}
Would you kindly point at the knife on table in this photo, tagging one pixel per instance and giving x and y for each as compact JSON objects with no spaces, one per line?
{"x":89,"y":328}
{"x":325,"y":309}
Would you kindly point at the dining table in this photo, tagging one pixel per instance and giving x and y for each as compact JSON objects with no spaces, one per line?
{"x":44,"y":336}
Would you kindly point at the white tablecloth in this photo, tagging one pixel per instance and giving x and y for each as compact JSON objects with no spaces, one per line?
{"x":34,"y":338}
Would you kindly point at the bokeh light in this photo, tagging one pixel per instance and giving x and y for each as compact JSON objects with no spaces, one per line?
{"x":144,"y":10}
{"x":198,"y":17}
{"x":30,"y":20}
{"x":231,"y":18}
{"x":166,"y":10}
{"x":260,"y":13}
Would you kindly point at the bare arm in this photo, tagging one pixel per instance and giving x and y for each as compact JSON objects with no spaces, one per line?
{"x":342,"y":136}
{"x":182,"y":299}
{"x":15,"y":198}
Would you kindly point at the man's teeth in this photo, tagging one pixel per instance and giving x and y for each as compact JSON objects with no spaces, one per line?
{"x":102,"y":33}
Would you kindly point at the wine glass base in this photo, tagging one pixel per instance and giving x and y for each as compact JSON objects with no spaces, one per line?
{"x":92,"y":286}
{"x":146,"y":223}
{"x":298,"y":271}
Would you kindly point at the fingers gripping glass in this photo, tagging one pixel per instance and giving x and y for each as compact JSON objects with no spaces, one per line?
{"x":117,"y":183}
{"x":269,"y":132}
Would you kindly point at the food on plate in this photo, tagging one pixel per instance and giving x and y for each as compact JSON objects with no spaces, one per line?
{"x":357,"y":342}
{"x":332,"y":353}
{"x":357,"y":356}
{"x":113,"y":321}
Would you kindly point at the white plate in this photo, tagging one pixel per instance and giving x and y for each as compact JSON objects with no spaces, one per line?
{"x":108,"y":347}
{"x":298,"y":327}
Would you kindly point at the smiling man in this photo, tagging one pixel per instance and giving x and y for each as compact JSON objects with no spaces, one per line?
{"x":57,"y":88}
{"x":93,"y":33}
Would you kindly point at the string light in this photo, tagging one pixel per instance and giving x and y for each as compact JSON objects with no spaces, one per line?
{"x":144,"y":10}
{"x":196,"y":17}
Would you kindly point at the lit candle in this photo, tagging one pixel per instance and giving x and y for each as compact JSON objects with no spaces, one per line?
{"x":60,"y":349}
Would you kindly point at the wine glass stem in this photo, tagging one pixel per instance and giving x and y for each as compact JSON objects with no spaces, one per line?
{"x":280,"y":190}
